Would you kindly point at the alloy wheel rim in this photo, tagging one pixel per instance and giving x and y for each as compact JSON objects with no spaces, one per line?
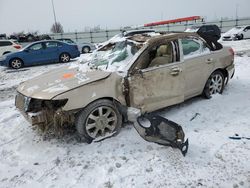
{"x":86,"y":50}
{"x":216,"y":84}
{"x":101,"y":121}
{"x":65,"y":58}
{"x":16,"y":63}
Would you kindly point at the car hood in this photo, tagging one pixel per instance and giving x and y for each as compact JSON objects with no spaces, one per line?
{"x":53,"y":83}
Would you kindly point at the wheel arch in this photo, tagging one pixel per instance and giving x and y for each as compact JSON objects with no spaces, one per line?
{"x":225,"y":74}
{"x":121,"y":108}
{"x":6,"y":52}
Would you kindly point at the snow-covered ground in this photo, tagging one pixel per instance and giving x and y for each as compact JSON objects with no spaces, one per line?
{"x":213,"y":160}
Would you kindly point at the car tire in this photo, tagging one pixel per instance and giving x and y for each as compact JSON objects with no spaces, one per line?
{"x":214,"y":84}
{"x":16,"y":63}
{"x":64,"y":57}
{"x":98,"y":120}
{"x":85,"y":49}
{"x":241,"y":37}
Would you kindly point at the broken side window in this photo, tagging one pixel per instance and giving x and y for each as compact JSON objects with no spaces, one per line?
{"x":193,"y":47}
{"x":164,"y":54}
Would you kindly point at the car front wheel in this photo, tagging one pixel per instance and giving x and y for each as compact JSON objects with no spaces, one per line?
{"x":214,"y":84}
{"x":64,"y":57}
{"x":16,"y":63}
{"x":98,"y":120}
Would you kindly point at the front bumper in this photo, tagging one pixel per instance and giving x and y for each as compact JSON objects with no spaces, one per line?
{"x":3,"y":63}
{"x":42,"y":117}
{"x":22,"y":103}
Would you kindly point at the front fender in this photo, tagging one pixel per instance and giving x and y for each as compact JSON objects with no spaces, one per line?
{"x":80,"y":97}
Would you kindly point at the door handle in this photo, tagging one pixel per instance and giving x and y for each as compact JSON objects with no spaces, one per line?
{"x":175,"y":71}
{"x":209,"y":60}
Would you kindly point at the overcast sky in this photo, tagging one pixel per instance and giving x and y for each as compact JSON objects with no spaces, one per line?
{"x":33,"y":15}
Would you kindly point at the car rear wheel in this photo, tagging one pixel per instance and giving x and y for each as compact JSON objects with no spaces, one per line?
{"x":85,"y":49}
{"x":241,"y":37}
{"x":16,"y":63}
{"x":214,"y":84}
{"x":98,"y":120}
{"x":64,"y":57}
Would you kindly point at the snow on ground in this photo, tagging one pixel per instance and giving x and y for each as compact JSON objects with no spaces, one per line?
{"x":240,"y":46}
{"x":213,"y":160}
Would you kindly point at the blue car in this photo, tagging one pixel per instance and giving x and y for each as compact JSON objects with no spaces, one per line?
{"x":40,"y":53}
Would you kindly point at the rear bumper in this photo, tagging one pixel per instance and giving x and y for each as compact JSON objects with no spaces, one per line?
{"x":74,"y":55}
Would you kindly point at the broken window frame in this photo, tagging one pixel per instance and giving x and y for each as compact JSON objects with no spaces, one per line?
{"x":145,"y":54}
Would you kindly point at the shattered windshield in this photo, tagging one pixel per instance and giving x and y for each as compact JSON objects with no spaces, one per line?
{"x":113,"y":55}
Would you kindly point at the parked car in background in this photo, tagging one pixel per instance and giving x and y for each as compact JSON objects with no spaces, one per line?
{"x":86,"y":47}
{"x":40,"y":53}
{"x":67,"y":40}
{"x":211,"y":30}
{"x":7,"y":46}
{"x":22,"y":37}
{"x":83,"y":47}
{"x":147,"y":72}
{"x":237,"y":33}
{"x":3,"y":36}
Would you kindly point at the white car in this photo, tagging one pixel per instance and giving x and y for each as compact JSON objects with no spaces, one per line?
{"x":237,"y":33}
{"x":7,"y":46}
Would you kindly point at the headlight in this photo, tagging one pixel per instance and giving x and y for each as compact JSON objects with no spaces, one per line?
{"x":26,"y":103}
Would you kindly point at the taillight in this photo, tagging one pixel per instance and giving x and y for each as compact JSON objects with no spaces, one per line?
{"x":17,"y":46}
{"x":231,"y":51}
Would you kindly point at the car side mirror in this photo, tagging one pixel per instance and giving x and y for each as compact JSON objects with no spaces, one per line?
{"x":26,"y":50}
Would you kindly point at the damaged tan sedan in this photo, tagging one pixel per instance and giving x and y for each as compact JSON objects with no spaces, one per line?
{"x":143,"y":71}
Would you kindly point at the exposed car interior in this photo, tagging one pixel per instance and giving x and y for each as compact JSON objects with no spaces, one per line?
{"x":162,"y":55}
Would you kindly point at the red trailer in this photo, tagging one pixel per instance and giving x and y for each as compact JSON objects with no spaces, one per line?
{"x":186,"y":19}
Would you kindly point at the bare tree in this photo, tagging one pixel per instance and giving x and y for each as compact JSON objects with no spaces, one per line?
{"x":57,"y":28}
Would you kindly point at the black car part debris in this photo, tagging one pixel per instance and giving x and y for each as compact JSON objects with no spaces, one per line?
{"x":237,"y":137}
{"x":154,"y":128}
{"x":195,"y":115}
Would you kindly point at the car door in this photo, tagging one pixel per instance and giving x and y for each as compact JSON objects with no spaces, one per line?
{"x":156,"y":80}
{"x":34,"y":54}
{"x":51,"y":51}
{"x":198,"y":64}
